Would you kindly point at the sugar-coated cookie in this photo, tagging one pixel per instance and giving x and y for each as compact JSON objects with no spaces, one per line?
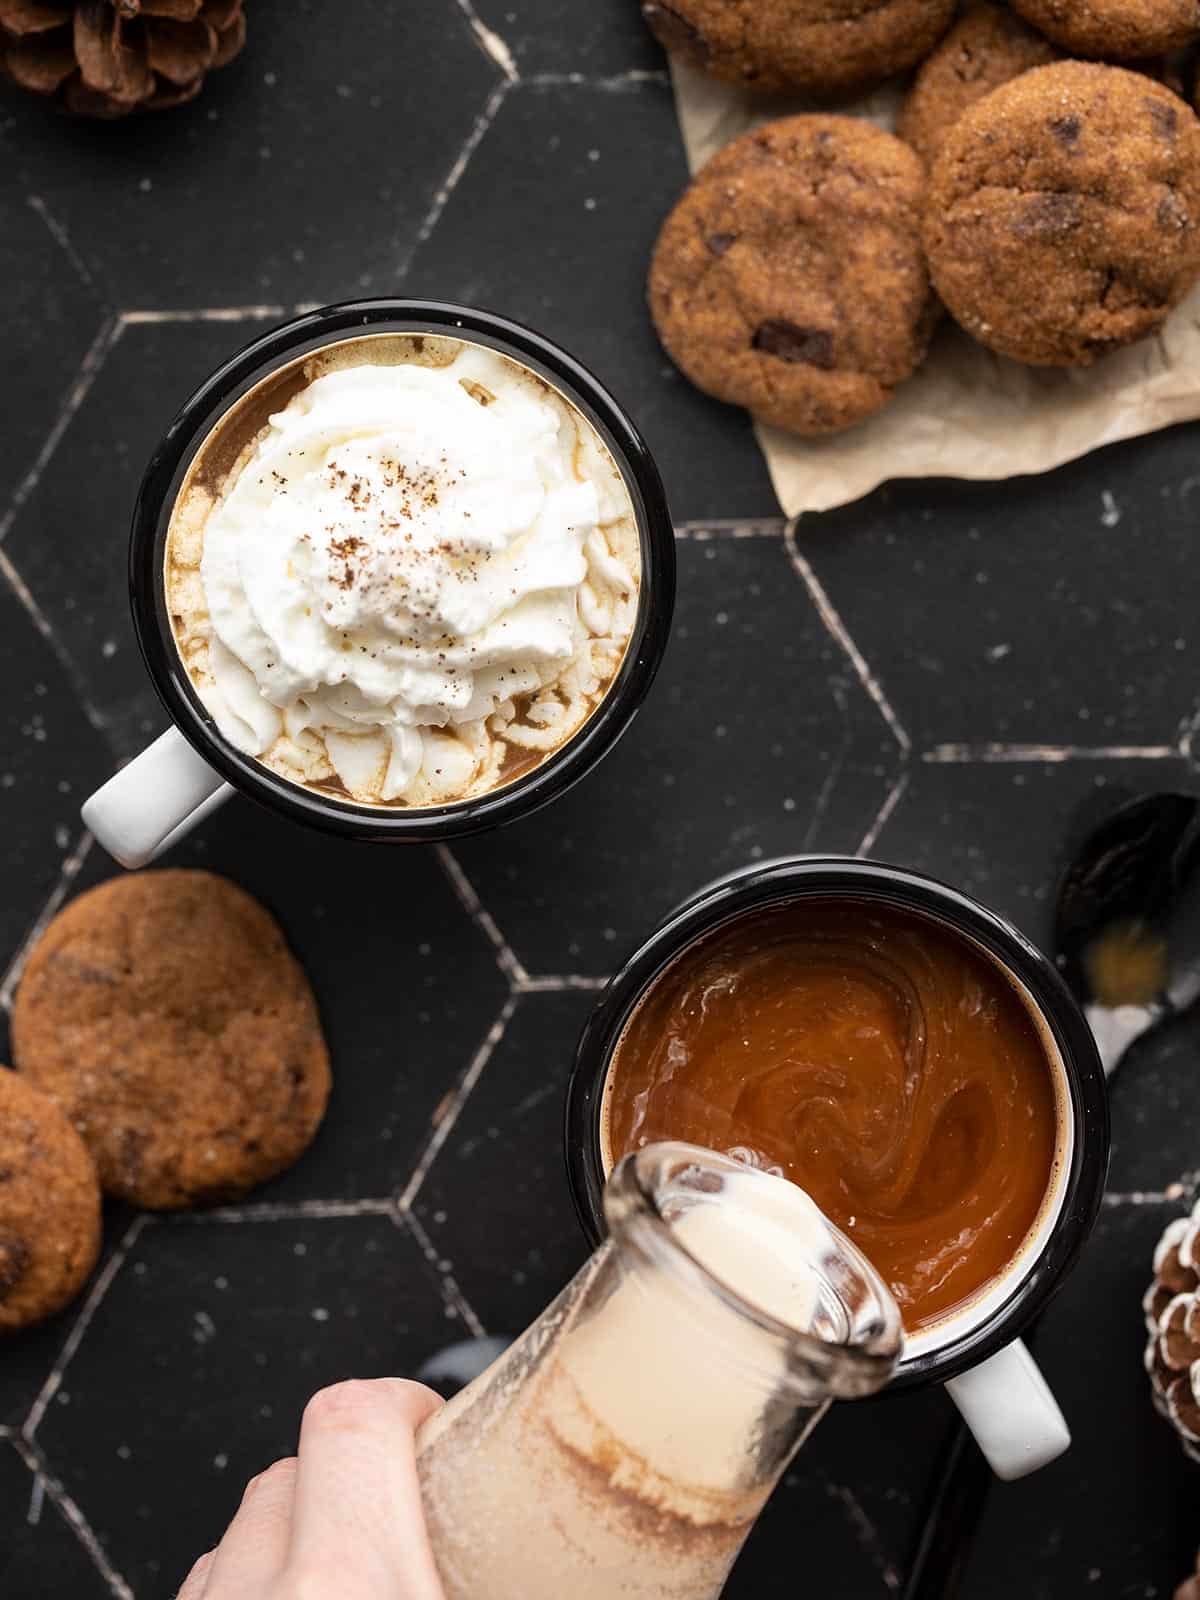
{"x":49,"y":1206}
{"x":1063,"y":214}
{"x":166,"y":1016}
{"x":827,"y":48}
{"x":790,"y":277}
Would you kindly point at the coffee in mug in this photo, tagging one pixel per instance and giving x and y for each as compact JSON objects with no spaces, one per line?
{"x":906,"y":1056}
{"x":402,"y":571}
{"x":876,"y":1059}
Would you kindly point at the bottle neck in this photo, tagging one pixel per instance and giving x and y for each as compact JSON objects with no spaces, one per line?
{"x":784,"y":1304}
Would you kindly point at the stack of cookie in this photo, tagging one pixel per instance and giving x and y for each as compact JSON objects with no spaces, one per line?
{"x":169,"y":1054}
{"x":1049,"y":200}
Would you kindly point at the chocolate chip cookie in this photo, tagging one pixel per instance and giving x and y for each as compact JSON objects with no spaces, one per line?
{"x":1115,"y":30}
{"x":790,"y":279}
{"x":989,"y":46}
{"x":166,"y":1016}
{"x":49,"y":1206}
{"x":821,"y":47}
{"x":1063,"y":214}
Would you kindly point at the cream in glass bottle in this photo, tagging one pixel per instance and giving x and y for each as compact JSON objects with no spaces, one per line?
{"x":628,"y":1440}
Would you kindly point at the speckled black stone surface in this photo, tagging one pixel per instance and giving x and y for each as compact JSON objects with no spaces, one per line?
{"x":945,"y":675}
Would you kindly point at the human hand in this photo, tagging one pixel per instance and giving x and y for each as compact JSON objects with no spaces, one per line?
{"x":340,"y":1519}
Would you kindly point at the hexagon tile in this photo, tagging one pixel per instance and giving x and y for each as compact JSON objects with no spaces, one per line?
{"x":237,"y":1323}
{"x":40,"y":1554}
{"x":758,"y":740}
{"x":954,"y":676}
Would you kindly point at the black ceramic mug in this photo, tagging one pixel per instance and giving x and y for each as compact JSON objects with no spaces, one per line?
{"x":193,"y":768}
{"x":977,"y":1351}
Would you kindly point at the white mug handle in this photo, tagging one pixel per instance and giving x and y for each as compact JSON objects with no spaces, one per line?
{"x":161,"y":795}
{"x":1008,"y":1406}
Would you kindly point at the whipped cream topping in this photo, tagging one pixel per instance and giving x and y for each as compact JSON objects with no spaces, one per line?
{"x":414,"y":574}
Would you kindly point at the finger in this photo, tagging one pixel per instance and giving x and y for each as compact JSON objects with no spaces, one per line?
{"x":193,"y":1584}
{"x":254,"y":1549}
{"x":358,"y":1513}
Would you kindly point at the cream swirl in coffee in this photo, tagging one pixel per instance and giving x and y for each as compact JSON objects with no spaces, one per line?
{"x":416,"y":577}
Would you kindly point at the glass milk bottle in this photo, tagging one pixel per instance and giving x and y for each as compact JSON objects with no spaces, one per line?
{"x":626,"y":1443}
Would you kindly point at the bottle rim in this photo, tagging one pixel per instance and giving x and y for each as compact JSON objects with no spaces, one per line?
{"x":650,"y":1188}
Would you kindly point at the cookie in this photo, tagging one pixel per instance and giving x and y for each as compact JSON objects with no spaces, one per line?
{"x":1115,"y":30}
{"x":987,"y":47}
{"x":822,"y":47}
{"x":165,"y":1014}
{"x":1063,"y":213}
{"x":790,"y":279}
{"x":49,"y":1206}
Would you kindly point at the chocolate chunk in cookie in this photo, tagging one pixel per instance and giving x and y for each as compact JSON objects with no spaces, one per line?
{"x":821,"y":47}
{"x":49,"y":1206}
{"x":790,"y":278}
{"x":1063,"y":214}
{"x":1115,"y":30}
{"x":989,"y":46}
{"x":165,"y":1014}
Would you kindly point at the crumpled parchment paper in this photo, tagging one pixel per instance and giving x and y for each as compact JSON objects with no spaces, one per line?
{"x":967,"y":413}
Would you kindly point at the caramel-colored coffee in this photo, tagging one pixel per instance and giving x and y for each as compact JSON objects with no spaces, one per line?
{"x":874,"y":1058}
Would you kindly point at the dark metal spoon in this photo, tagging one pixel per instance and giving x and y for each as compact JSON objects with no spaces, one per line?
{"x":1127,"y":922}
{"x":1127,"y":941}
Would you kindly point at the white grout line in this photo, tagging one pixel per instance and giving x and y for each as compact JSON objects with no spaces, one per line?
{"x":70,"y":871}
{"x":1187,"y":735}
{"x":451,"y":181}
{"x":865,"y":1532}
{"x":892,"y":799}
{"x":110,"y":332}
{"x":616,"y":83}
{"x":62,"y":238}
{"x":1182,"y":1191}
{"x":489,"y":41}
{"x":261,"y":313}
{"x":75,"y":1518}
{"x":45,"y":627}
{"x":506,"y":956}
{"x":283,"y":1211}
{"x":450,"y":1108}
{"x":36,"y":1500}
{"x":97,"y":1292}
{"x":558,"y":983}
{"x":833,"y":772}
{"x":1044,"y":754}
{"x":450,"y":1284}
{"x":839,"y":632}
{"x":732,"y":528}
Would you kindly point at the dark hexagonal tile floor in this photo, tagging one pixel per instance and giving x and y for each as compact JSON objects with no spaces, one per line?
{"x":237,"y":1324}
{"x":757,"y":741}
{"x":1003,"y":830}
{"x":50,"y":757}
{"x":495,"y":1203}
{"x":40,"y":1554}
{"x":54,"y":315}
{"x":600,"y":40}
{"x":598,"y":168}
{"x":72,"y":551}
{"x":1057,"y":612}
{"x":243,"y":196}
{"x":841,"y":688}
{"x":1119,"y":1514}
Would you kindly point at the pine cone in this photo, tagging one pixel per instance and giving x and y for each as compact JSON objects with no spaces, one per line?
{"x":106,"y":58}
{"x":1172,"y":1307}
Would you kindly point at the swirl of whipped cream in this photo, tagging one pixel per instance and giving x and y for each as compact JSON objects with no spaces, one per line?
{"x":414,"y":567}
